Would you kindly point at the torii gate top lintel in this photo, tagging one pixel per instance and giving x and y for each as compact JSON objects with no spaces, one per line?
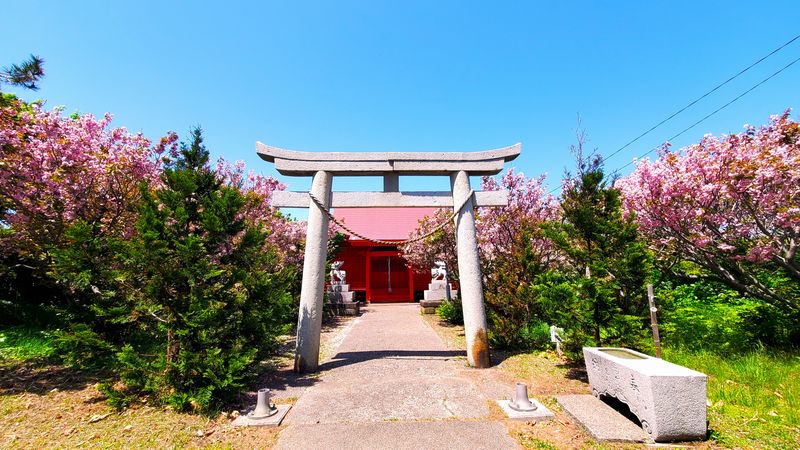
{"x":298,"y":163}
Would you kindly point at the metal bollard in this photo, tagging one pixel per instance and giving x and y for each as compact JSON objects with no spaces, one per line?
{"x":521,"y":402}
{"x":263,"y":407}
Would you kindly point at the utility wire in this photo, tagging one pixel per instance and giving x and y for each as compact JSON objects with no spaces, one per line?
{"x":702,"y":97}
{"x":717,"y":110}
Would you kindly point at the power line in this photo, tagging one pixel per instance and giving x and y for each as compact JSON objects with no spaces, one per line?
{"x":702,"y":97}
{"x":718,"y":109}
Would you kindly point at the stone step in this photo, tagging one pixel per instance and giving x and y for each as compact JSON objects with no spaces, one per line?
{"x":340,"y":297}
{"x":346,"y":309}
{"x":601,"y":421}
{"x":429,"y":306}
{"x":439,"y":294}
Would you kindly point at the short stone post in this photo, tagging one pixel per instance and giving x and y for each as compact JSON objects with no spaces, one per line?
{"x":309,"y":322}
{"x":469,"y":271}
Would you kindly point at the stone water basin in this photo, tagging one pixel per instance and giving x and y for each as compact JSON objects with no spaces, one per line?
{"x":669,"y":400}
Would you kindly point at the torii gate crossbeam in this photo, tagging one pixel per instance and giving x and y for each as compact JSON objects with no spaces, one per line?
{"x":324,"y":166}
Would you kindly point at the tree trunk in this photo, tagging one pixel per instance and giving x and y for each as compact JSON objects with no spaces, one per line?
{"x":173,"y":347}
{"x":597,"y":324}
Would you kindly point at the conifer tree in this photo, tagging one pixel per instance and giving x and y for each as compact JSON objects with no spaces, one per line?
{"x":608,"y":262}
{"x":209,"y":298}
{"x":25,"y":74}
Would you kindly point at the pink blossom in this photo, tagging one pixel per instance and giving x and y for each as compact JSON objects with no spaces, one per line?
{"x":498,"y":229}
{"x":724,"y":200}
{"x":55,"y":170}
{"x":285,"y":236}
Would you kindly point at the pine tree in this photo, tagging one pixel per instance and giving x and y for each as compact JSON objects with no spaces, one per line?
{"x":609,"y":263}
{"x":25,"y":74}
{"x":207,"y":293}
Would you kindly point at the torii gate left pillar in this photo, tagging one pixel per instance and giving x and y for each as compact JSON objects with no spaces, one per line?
{"x":323,"y":166}
{"x":309,"y":321}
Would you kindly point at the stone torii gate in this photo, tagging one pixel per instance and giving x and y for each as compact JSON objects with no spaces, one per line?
{"x":459,"y":166}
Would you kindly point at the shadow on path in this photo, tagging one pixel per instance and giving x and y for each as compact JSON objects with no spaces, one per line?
{"x":347,"y":358}
{"x":280,"y":377}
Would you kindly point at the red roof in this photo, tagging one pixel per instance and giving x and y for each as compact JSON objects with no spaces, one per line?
{"x":382,"y":223}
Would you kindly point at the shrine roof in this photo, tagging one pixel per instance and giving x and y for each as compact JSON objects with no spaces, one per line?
{"x":382,"y":223}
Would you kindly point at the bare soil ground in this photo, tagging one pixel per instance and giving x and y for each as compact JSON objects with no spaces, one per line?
{"x":46,"y":406}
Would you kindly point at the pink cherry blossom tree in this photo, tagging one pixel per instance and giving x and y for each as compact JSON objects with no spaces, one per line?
{"x":729,"y":204}
{"x":515,"y":251}
{"x":500,"y":229}
{"x":285,"y":236}
{"x":439,"y":246}
{"x":529,"y":206}
{"x":513,"y":248}
{"x":55,"y":170}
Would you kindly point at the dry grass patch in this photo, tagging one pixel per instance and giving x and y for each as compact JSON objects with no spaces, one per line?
{"x":80,"y":417}
{"x":45,"y":405}
{"x":452,"y":335}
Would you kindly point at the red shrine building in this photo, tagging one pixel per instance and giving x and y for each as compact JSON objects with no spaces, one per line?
{"x":377,"y":272}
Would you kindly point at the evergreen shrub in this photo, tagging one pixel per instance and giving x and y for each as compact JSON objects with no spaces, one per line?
{"x":451,"y":311}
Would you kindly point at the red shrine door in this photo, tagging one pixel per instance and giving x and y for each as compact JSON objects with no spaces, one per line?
{"x":388,"y":278}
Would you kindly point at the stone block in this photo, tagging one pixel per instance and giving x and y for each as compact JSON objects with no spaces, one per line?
{"x":601,"y":421}
{"x":437,"y":285}
{"x":429,"y":306}
{"x":438,"y":294}
{"x":669,"y":400}
{"x":541,"y":413}
{"x":338,"y":287}
{"x":346,"y":308}
{"x":340,"y":297}
{"x":271,"y":421}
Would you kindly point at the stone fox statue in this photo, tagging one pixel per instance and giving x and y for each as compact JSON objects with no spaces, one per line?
{"x":439,"y":272}
{"x":338,"y":276}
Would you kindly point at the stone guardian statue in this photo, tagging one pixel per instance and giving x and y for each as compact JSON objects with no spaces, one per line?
{"x":556,"y":338}
{"x":338,"y":276}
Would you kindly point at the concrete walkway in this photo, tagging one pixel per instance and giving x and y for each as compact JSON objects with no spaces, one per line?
{"x":392,"y":384}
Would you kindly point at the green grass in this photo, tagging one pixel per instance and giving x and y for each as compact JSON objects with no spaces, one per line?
{"x":19,"y":344}
{"x":755,"y":397}
{"x":530,"y":442}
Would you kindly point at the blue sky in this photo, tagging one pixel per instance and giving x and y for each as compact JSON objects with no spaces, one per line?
{"x":409,"y":75}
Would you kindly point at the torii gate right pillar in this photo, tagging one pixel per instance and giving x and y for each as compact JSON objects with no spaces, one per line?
{"x":469,"y":272}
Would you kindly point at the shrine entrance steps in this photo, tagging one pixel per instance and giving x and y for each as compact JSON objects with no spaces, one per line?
{"x":392,"y":383}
